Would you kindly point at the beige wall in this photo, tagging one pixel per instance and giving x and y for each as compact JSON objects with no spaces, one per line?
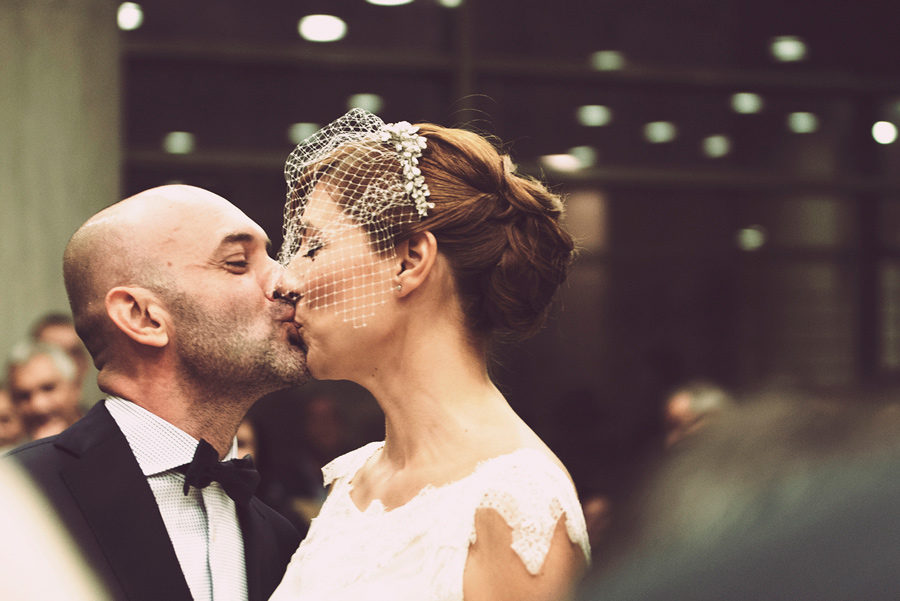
{"x":59,"y":144}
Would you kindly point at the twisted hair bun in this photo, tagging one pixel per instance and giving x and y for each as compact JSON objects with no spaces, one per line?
{"x":499,"y":230}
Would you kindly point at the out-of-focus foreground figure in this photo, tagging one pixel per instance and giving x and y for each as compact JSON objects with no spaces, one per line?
{"x":777,"y":499}
{"x":38,"y":560}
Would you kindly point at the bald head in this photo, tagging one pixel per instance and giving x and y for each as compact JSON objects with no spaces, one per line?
{"x":135,"y":242}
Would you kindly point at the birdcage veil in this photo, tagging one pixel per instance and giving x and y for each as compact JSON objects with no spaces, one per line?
{"x":368,"y":173}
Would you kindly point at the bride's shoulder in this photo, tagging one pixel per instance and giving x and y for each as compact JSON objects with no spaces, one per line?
{"x":348,"y":464}
{"x":527,"y":471}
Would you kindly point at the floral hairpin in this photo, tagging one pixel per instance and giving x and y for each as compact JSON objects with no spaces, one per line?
{"x":409,"y":146}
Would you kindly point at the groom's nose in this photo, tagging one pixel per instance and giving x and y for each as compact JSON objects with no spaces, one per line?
{"x":286,"y":287}
{"x":269,"y":276}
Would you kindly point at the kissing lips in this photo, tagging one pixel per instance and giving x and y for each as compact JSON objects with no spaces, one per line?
{"x":282,"y":311}
{"x":295,"y":338}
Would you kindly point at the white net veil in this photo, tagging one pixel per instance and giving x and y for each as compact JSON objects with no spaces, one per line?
{"x":351,"y":188}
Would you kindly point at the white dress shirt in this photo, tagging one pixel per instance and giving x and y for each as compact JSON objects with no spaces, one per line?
{"x":202,"y":525}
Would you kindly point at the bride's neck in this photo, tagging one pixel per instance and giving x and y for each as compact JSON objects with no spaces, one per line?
{"x":439,"y":402}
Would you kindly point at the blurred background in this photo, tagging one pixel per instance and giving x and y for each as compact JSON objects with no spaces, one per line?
{"x":730,"y":168}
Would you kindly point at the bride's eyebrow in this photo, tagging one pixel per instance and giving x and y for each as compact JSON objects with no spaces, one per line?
{"x":308,"y":229}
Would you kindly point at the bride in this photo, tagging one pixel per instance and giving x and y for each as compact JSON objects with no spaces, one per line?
{"x":409,"y":250}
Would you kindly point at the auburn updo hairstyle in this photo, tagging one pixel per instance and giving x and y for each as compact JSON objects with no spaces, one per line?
{"x":500,"y":232}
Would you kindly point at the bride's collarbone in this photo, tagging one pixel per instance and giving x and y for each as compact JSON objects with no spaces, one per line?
{"x":395,"y":488}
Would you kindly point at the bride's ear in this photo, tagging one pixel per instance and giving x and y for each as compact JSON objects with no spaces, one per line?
{"x":415,"y":259}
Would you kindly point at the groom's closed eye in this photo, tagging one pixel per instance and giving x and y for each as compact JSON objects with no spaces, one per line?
{"x":238,"y":265}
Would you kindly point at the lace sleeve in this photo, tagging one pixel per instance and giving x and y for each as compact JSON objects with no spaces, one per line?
{"x":531,"y":494}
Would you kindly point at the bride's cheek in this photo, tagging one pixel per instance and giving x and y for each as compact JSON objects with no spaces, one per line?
{"x":320,"y":289}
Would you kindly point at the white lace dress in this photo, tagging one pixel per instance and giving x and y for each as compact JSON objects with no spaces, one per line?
{"x":417,"y":552}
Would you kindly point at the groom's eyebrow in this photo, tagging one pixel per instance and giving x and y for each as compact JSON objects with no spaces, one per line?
{"x":243,"y":238}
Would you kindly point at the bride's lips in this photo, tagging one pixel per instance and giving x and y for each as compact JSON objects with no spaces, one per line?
{"x":295,"y":337}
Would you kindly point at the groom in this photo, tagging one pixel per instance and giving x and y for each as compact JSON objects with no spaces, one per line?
{"x":171,"y":293}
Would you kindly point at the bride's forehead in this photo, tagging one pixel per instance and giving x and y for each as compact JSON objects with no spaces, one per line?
{"x":321,"y":204}
{"x":323,"y":212}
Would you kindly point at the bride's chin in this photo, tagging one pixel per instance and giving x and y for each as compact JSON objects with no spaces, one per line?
{"x":321,"y":368}
{"x":317,"y":369}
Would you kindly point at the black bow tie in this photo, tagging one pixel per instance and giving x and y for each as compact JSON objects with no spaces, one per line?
{"x":237,"y":476}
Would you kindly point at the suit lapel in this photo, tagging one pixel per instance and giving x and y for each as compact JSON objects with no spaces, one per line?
{"x":269,"y":543}
{"x":119,"y":506}
{"x":255,"y":546}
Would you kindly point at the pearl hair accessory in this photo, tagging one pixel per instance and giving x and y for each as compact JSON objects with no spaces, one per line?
{"x":409,"y":145}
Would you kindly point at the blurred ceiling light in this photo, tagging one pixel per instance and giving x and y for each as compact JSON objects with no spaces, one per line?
{"x":607,"y":60}
{"x":561,"y":162}
{"x":788,"y":48}
{"x":388,"y":2}
{"x":746,"y":103}
{"x":884,"y":132}
{"x":450,"y":3}
{"x":322,"y":28}
{"x":751,"y":238}
{"x":585,"y":155}
{"x":130,"y":16}
{"x":593,"y":115}
{"x":802,"y":122}
{"x":370,"y":102}
{"x":179,"y":142}
{"x":298,"y":132}
{"x":660,"y":132}
{"x":717,"y":146}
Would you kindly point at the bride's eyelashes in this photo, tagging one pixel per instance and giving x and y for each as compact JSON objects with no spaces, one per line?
{"x":313,"y":246}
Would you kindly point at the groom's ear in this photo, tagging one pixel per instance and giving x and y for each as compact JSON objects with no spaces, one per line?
{"x":139,"y":314}
{"x":415,"y":259}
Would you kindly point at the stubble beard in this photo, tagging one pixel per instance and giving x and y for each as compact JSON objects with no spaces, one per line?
{"x":221,"y":353}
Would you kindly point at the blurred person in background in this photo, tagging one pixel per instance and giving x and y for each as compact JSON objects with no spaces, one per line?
{"x":44,"y":388}
{"x":332,"y":418}
{"x":12,"y":432}
{"x":325,"y":437}
{"x":59,"y":329}
{"x":691,"y":406}
{"x":246,"y":439}
{"x":171,"y":292}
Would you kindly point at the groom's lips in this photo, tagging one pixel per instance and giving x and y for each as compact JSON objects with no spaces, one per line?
{"x":283,"y":311}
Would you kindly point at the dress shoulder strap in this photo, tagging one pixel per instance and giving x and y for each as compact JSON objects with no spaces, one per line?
{"x":348,"y":464}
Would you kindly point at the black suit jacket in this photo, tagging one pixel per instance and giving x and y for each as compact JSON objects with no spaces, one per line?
{"x":93,"y":480}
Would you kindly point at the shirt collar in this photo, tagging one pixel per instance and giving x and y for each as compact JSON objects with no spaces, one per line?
{"x":157,"y":445}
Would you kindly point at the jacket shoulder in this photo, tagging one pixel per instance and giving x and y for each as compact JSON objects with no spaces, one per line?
{"x":37,"y":453}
